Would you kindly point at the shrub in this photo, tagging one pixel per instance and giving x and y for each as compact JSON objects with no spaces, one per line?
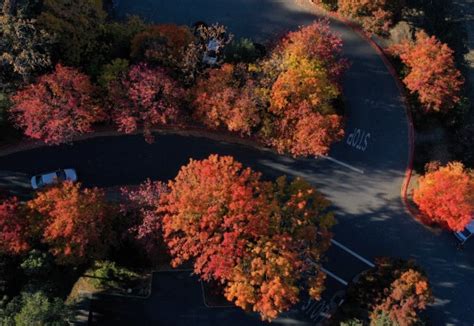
{"x":243,"y":50}
{"x":113,"y":72}
{"x":108,"y":275}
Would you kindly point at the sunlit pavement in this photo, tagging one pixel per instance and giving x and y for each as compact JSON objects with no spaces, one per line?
{"x":365,"y":189}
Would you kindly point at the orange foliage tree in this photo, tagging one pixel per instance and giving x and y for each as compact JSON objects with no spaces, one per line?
{"x":13,"y":227}
{"x":75,"y":222}
{"x":303,"y":77}
{"x":255,"y":237}
{"x":406,"y":296}
{"x":225,"y":96}
{"x":59,"y":106}
{"x":432,"y":72}
{"x":446,"y":195}
{"x":376,"y":16}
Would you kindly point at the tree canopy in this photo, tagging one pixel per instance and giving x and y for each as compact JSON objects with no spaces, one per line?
{"x":445,"y":194}
{"x":58,"y":107}
{"x":75,"y":222}
{"x":255,"y":237}
{"x":145,"y":97}
{"x":432,"y":73}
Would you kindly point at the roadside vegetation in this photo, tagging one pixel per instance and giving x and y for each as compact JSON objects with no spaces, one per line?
{"x":67,"y":69}
{"x":81,"y":70}
{"x":426,"y":45}
{"x":262,"y":241}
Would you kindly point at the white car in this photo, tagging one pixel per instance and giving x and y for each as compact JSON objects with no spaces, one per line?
{"x":213,"y":48}
{"x":465,"y":234}
{"x":42,"y":180}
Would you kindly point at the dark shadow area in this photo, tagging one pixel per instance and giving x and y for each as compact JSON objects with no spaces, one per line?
{"x":177,"y":299}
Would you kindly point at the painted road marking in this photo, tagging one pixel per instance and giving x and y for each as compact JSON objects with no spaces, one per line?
{"x":356,"y":255}
{"x":316,"y":310}
{"x":358,"y":139}
{"x":329,"y":158}
{"x":334,"y":276}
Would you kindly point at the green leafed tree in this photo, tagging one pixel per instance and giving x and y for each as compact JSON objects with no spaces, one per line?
{"x":35,"y":309}
{"x":78,"y":26}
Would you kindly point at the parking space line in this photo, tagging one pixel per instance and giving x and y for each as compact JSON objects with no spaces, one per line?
{"x":356,"y":255}
{"x":334,"y":276}
{"x":329,"y":158}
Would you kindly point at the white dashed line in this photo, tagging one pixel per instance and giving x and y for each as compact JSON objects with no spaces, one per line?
{"x":334,"y":276}
{"x":356,"y":255}
{"x":329,"y":158}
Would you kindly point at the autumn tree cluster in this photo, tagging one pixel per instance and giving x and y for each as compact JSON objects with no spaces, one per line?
{"x":445,"y":195}
{"x":263,"y":241}
{"x":287,"y":99}
{"x":153,"y":75}
{"x":257,"y":238}
{"x":432,"y":73}
{"x":394,"y":292}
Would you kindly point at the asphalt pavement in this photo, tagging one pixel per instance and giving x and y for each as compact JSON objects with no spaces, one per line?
{"x":362,"y":177}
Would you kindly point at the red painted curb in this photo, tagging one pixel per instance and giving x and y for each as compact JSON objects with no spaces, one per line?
{"x":411,"y":132}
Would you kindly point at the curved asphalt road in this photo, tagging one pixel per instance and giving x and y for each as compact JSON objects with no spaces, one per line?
{"x":365,"y":192}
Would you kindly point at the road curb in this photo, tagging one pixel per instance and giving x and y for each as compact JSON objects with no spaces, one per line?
{"x":187,"y":130}
{"x":391,"y":69}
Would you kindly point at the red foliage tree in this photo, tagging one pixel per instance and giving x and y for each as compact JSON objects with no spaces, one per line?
{"x":76,"y":222}
{"x":223,"y":98}
{"x":406,"y":296}
{"x":57,"y":107}
{"x":146,"y":97}
{"x":432,"y":72}
{"x":141,"y":204}
{"x":13,"y":227}
{"x":253,"y":236}
{"x":446,"y":195}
